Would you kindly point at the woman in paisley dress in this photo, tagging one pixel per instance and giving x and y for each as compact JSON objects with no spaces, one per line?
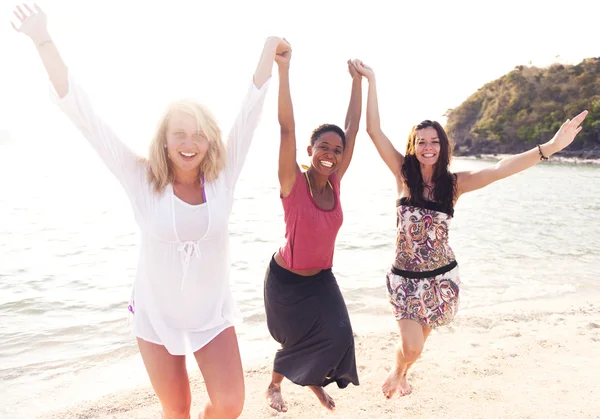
{"x":423,"y":283}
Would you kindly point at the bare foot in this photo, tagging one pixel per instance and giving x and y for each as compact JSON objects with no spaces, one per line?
{"x":275,"y":399}
{"x":404,"y":389}
{"x":323,"y":397}
{"x":392,"y":383}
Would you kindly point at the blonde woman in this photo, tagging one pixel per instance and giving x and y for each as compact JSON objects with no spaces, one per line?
{"x":181,"y":196}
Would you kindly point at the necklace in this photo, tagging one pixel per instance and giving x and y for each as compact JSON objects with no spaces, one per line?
{"x":310,"y":187}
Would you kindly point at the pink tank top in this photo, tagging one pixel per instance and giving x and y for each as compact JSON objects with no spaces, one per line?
{"x":310,"y":231}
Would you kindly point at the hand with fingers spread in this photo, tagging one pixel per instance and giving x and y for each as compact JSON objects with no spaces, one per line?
{"x":567,"y":133}
{"x":364,"y":70}
{"x":31,"y":22}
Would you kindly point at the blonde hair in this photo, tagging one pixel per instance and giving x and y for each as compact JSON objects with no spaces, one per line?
{"x":160,"y":173}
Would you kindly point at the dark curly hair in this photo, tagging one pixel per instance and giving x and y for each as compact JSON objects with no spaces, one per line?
{"x":322,"y":129}
{"x":444,"y":191}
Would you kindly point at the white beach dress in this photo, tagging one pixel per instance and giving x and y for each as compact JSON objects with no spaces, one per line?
{"x":181,"y":297}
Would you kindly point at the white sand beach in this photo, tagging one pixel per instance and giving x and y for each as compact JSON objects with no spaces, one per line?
{"x":529,"y":359}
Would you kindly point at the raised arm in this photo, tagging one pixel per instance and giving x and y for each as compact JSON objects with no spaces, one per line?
{"x":264,"y":68}
{"x":242,"y":131}
{"x":74,"y":102}
{"x":33,"y":24}
{"x":392,"y":157}
{"x":352,"y":118}
{"x":288,"y":167}
{"x":471,"y":181}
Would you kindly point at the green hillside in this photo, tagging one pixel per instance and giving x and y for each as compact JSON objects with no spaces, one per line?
{"x":526,"y":107}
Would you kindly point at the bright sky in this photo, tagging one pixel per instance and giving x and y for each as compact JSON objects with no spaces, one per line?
{"x":134,"y":56}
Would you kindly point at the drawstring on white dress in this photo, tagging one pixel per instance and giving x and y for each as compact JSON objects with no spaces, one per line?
{"x":188,"y":249}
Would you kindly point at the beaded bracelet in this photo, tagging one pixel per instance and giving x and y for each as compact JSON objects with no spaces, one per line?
{"x":41,"y":44}
{"x":542,"y":157}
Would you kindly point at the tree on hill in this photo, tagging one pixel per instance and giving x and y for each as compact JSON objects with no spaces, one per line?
{"x":526,"y":107}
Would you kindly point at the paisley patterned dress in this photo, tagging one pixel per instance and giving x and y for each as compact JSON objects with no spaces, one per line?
{"x":423,"y":283}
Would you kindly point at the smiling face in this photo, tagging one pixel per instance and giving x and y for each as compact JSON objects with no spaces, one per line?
{"x":427,"y":146}
{"x":326,"y":153}
{"x":187,"y":141}
{"x":186,"y":144}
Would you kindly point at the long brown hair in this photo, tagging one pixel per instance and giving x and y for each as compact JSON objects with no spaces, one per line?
{"x":444,"y":191}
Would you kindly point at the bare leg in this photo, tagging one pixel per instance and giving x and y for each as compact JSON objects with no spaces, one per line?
{"x":221,"y":367}
{"x":412,"y":339}
{"x":323,"y":397}
{"x":273,"y":393}
{"x":169,"y":379}
{"x":403,"y":387}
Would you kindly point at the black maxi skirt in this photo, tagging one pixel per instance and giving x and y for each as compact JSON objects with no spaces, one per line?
{"x":307,"y":315}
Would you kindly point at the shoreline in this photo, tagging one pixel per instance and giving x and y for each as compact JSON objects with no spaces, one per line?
{"x":595,"y":161}
{"x":530,"y":358}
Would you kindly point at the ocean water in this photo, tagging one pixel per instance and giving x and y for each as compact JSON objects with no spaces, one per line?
{"x":68,"y":249}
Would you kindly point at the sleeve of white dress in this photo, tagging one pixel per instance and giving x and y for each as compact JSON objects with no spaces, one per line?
{"x":125,"y":165}
{"x":242,"y":131}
